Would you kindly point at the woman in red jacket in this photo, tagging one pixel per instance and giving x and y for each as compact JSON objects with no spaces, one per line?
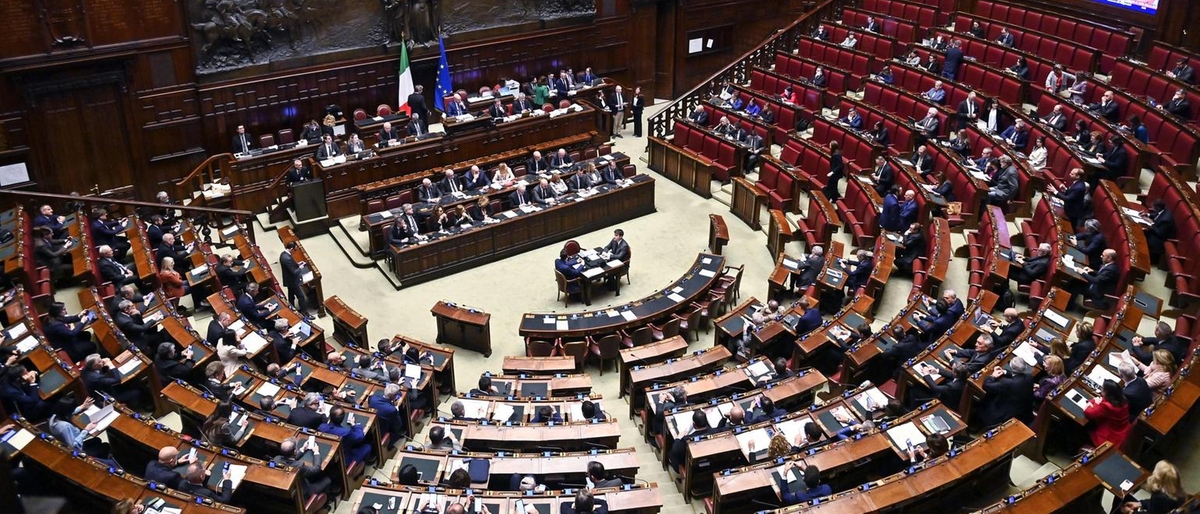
{"x":1109,"y":415}
{"x":172,"y":284}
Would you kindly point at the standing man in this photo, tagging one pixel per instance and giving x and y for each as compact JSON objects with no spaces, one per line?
{"x":293,"y":277}
{"x":639,"y":103}
{"x":416,"y":105}
{"x":618,"y":110}
{"x":242,"y":142}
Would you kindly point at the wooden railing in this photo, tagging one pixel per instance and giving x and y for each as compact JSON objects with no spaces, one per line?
{"x":214,"y":168}
{"x":785,"y":40}
{"x":205,"y":219}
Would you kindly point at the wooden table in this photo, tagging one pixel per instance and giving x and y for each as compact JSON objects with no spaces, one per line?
{"x":643,"y":377}
{"x":647,"y":354}
{"x":539,"y":365}
{"x":463,"y":327}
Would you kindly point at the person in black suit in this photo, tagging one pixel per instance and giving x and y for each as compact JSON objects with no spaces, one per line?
{"x":837,"y":171}
{"x":520,"y":197}
{"x":678,"y":451}
{"x":293,"y":277}
{"x":951,"y":389}
{"x":1107,"y":107}
{"x":618,"y":247}
{"x":233,"y":277}
{"x":907,"y":345}
{"x":68,"y":333}
{"x":883,"y":175}
{"x":544,"y":194}
{"x":416,"y":105}
{"x":405,"y":228}
{"x":1011,"y":328}
{"x":328,"y":149}
{"x":47,"y":218}
{"x":585,"y":503}
{"x":522,"y":104}
{"x":1137,"y":391}
{"x":922,"y":160}
{"x":173,"y":366}
{"x":976,"y":30}
{"x":1162,"y":228}
{"x":242,"y":141}
{"x":450,"y":183}
{"x":106,"y":232}
{"x":163,"y":469}
{"x":1116,"y":159}
{"x":113,"y":271}
{"x":618,"y":105}
{"x":251,"y":311}
{"x":217,"y":327}
{"x":536,"y":165}
{"x":809,"y":267}
{"x":1091,"y":242}
{"x":931,"y":64}
{"x":1033,"y":268}
{"x":1103,"y":281}
{"x":297,"y":173}
{"x":1009,"y":394}
{"x":912,"y":247}
{"x":821,"y":33}
{"x":699,"y":116}
{"x":1074,"y":197}
{"x":976,"y":358}
{"x":130,"y":322}
{"x":578,"y":181}
{"x":497,"y":109}
{"x":194,"y":485}
{"x":1164,"y":339}
{"x":415,"y":128}
{"x":154,"y":230}
{"x":1183,"y":71}
{"x":863,"y":265}
{"x":1006,"y":38}
{"x":1081,"y":349}
{"x":954,"y":57}
{"x":387,"y":133}
{"x":428,"y":192}
{"x":1178,"y":105}
{"x":101,"y":376}
{"x":175,"y":250}
{"x":968,"y":111}
{"x":474,"y":179}
{"x":636,"y":106}
{"x":305,"y":414}
{"x":561,"y":159}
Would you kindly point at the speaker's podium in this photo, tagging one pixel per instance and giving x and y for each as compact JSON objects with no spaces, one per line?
{"x":308,"y":213}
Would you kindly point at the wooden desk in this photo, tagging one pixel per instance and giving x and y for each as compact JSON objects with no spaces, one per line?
{"x":539,"y":365}
{"x":533,"y":387}
{"x":643,"y":377}
{"x":348,"y":324}
{"x":646,"y":355}
{"x":694,"y":284}
{"x":684,"y":167}
{"x":535,"y":437}
{"x":1076,"y":487}
{"x":557,"y":466}
{"x":779,"y":233}
{"x":463,"y":327}
{"x":488,"y":243}
{"x":718,"y":233}
{"x":747,"y":202}
{"x":310,"y":278}
{"x":641,"y":499}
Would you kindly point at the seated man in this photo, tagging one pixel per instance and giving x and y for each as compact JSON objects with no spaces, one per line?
{"x":100,"y":375}
{"x":543,"y":194}
{"x":546,"y":414}
{"x":519,"y":197}
{"x":1033,"y":268}
{"x":584,"y":503}
{"x":852,"y":119}
{"x":231,"y":275}
{"x":1006,"y":332}
{"x":1103,"y":281}
{"x":1004,"y":184}
{"x":113,"y":271}
{"x":561,"y":159}
{"x":863,"y":265}
{"x":450,"y":183}
{"x":1016,"y":136}
{"x":328,"y":149}
{"x":428,"y":192}
{"x":194,"y":484}
{"x":599,"y":478}
{"x":163,"y":469}
{"x":354,"y":443}
{"x":812,"y":483}
{"x":313,"y":480}
{"x":391,"y":421}
{"x":249,"y":308}
{"x":936,"y":94}
{"x":1056,"y":119}
{"x":1009,"y":394}
{"x":976,"y":358}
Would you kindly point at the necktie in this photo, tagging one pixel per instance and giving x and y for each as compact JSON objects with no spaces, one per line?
{"x":416,"y":129}
{"x":453,"y":185}
{"x":244,"y":145}
{"x":412,"y":223}
{"x":328,"y":151}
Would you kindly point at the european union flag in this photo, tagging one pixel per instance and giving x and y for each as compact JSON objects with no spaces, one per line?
{"x":444,"y":87}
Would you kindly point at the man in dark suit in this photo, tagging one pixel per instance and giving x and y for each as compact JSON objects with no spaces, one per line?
{"x":912,"y":247}
{"x":1009,"y":330}
{"x":1004,"y":185}
{"x":1116,"y":159}
{"x":233,"y":277}
{"x":908,"y":209}
{"x":175,"y":250}
{"x":1016,"y":135}
{"x":699,"y":116}
{"x":428,"y":192}
{"x":1137,"y":391}
{"x":821,"y":33}
{"x":312,"y":480}
{"x":1091,"y":242}
{"x":858,"y":277}
{"x":242,"y":141}
{"x":809,"y":267}
{"x":618,"y":247}
{"x":1006,"y":38}
{"x":922,"y":161}
{"x":130,"y":322}
{"x":305,"y":414}
{"x":755,"y":146}
{"x":497,"y":109}
{"x":415,"y":128}
{"x":544,"y":194}
{"x":884,"y":175}
{"x":1178,"y":105}
{"x":172,"y":366}
{"x":561,"y":159}
{"x":975,"y":359}
{"x":450,"y":183}
{"x":637,"y":105}
{"x":520,"y":197}
{"x":1164,"y":339}
{"x":968,"y":111}
{"x":1183,"y":71}
{"x":391,"y":421}
{"x":1162,"y":228}
{"x":852,"y":119}
{"x":194,"y":485}
{"x":536,"y":165}
{"x":1033,"y":268}
{"x":1103,"y":281}
{"x":927,"y":127}
{"x":328,"y":149}
{"x":298,"y":173}
{"x":106,"y":232}
{"x":678,"y":451}
{"x":293,"y":277}
{"x":1009,"y":394}
{"x":416,"y":105}
{"x":954,"y":58}
{"x":889,"y":215}
{"x":101,"y":376}
{"x":522,"y":104}
{"x":113,"y":271}
{"x":1107,"y":107}
{"x":872,"y":25}
{"x":1080,"y":349}
{"x":456,"y":107}
{"x":250,"y":309}
{"x":163,"y":469}
{"x":217,"y":327}
{"x":46,"y":218}
{"x":355,"y":445}
{"x":1074,"y":197}
{"x":388,"y":133}
{"x":951,"y":389}
{"x":1056,"y":119}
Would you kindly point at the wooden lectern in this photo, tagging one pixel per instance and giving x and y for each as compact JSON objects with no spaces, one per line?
{"x":463,"y":327}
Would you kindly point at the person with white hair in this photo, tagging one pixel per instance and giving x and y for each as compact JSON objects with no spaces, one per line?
{"x":391,"y":419}
{"x":1009,"y":394}
{"x":307,"y":413}
{"x":1137,"y":391}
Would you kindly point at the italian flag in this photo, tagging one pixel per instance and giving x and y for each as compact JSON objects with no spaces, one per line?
{"x":406,"y":81}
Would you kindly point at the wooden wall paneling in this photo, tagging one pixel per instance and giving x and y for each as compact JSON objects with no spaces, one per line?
{"x":642,"y":50}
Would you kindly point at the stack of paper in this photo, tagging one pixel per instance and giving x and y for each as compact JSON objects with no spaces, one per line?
{"x":502,"y":412}
{"x":1028,"y":353}
{"x":793,"y":428}
{"x":902,"y":435}
{"x":253,"y":342}
{"x":129,"y":366}
{"x":758,"y":437}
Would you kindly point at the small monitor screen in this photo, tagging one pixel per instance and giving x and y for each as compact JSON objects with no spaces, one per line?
{"x":1142,"y":6}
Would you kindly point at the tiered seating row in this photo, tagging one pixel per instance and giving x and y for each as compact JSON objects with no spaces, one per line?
{"x":1113,"y":42}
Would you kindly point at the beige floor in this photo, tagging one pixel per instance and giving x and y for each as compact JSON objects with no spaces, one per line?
{"x":664,"y":244}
